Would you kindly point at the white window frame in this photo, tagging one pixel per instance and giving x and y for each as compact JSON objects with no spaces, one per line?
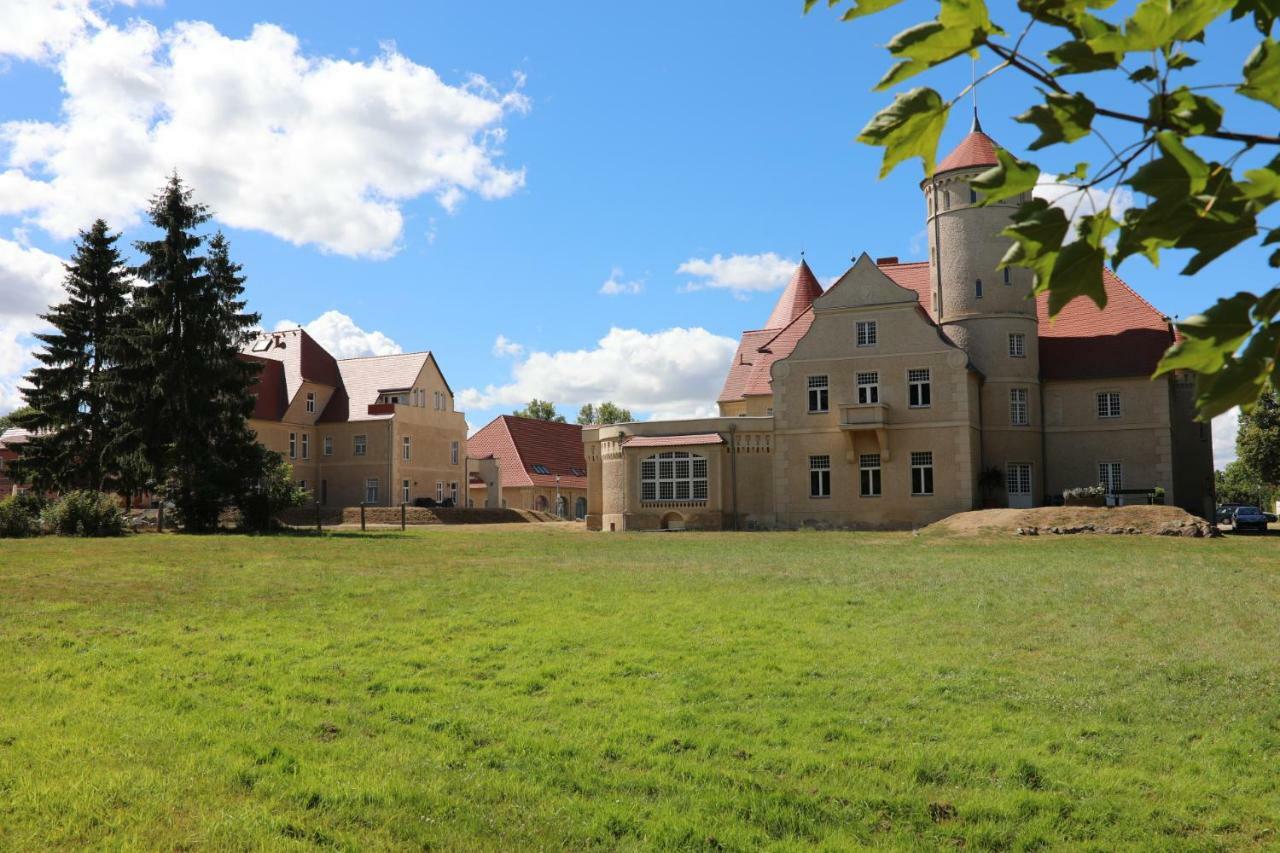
{"x":866,"y":333}
{"x":870,"y":476}
{"x":293,"y":445}
{"x":868,"y":385}
{"x":921,"y":473}
{"x":819,"y":393}
{"x":1017,"y":478}
{"x":404,"y":491}
{"x":1017,"y":345}
{"x":360,"y":444}
{"x":439,"y":491}
{"x":674,"y":476}
{"x":1108,"y":405}
{"x":1019,"y":407}
{"x":306,"y":445}
{"x":453,"y":492}
{"x":919,"y":388}
{"x":406,"y":448}
{"x":311,"y":402}
{"x":371,"y":488}
{"x":328,"y":445}
{"x":819,"y":476}
{"x":453,"y":453}
{"x":1111,"y":476}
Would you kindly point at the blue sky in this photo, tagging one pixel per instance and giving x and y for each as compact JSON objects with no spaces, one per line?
{"x":607,"y":143}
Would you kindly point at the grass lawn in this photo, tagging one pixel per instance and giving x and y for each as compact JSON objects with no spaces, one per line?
{"x":537,"y":687}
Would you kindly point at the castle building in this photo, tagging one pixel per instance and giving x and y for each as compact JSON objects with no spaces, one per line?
{"x":910,"y":391}
{"x":380,"y":430}
{"x":540,"y":465}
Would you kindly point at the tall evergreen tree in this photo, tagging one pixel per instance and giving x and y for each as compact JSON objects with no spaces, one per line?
{"x":192,"y":392}
{"x":71,"y":394}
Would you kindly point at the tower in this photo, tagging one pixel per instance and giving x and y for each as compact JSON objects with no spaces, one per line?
{"x":988,"y":312}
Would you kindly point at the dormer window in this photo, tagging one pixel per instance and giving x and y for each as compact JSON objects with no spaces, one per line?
{"x":541,"y":469}
{"x":311,"y":402}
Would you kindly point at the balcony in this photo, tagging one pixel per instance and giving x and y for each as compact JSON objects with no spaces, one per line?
{"x":864,"y":416}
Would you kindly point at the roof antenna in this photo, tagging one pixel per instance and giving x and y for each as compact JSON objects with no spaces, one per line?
{"x":973,"y":89}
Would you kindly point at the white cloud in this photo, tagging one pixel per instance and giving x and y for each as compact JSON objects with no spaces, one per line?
{"x":673,"y":371}
{"x":615,"y":286}
{"x":740,"y":274}
{"x":30,"y":281}
{"x":340,"y":335}
{"x":504,"y":346}
{"x":1224,"y":428}
{"x":313,"y":150}
{"x":1078,"y":202}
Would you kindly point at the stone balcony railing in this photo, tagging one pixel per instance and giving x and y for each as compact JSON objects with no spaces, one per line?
{"x":864,"y":416}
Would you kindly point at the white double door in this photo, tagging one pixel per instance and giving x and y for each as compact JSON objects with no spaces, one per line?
{"x":1018,"y":485}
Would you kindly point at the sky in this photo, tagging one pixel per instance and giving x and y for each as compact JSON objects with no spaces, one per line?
{"x":574,"y":201}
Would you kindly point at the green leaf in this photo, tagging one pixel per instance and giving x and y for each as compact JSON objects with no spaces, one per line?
{"x":1144,"y":74}
{"x":868,"y":7}
{"x":1262,"y":186}
{"x":1262,"y":74}
{"x":1077,"y":57}
{"x":1077,"y":271}
{"x":961,"y":26}
{"x":1264,"y":12}
{"x":1185,"y":111}
{"x":1079,"y":173}
{"x":909,"y":127}
{"x":1155,"y":24}
{"x":1037,"y":232}
{"x":1209,"y":338}
{"x":1180,"y":60}
{"x":1007,"y":179}
{"x":1061,"y":118}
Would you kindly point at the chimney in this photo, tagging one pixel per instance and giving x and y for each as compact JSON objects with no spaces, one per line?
{"x":891,"y":259}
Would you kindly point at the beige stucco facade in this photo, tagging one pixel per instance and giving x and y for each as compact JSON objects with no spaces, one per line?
{"x":891,"y":406}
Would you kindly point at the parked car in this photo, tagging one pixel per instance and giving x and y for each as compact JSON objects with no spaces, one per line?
{"x":1248,"y":518}
{"x":425,"y":503}
{"x":1226,"y":512}
{"x":1271,"y":517}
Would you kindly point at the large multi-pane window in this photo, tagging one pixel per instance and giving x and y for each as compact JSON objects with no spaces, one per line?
{"x":371,"y":490}
{"x":868,"y":387}
{"x":919,"y":390}
{"x":1018,"y":478}
{"x":1017,"y":345}
{"x":1111,"y":476}
{"x":869,"y":475}
{"x":818,"y":390}
{"x":867,"y":333}
{"x":1109,"y":404}
{"x":675,"y":475}
{"x":1018,"y":415}
{"x":922,"y":472}
{"x":820,"y":476}
{"x":359,"y":444}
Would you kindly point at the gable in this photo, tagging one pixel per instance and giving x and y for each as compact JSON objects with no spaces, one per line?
{"x":863,"y":285}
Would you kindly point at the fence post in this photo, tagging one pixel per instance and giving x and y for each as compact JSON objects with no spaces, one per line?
{"x":160,"y":519}
{"x":361,"y":516}
{"x":402,"y":514}
{"x":318,"y":516}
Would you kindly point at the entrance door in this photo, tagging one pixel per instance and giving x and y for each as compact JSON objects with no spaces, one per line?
{"x":1018,"y":485}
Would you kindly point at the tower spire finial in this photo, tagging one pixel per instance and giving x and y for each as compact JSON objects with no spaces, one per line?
{"x":973,"y":89}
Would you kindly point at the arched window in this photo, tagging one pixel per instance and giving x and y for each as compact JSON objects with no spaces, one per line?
{"x":977,"y":288}
{"x":540,"y":503}
{"x":675,"y":475}
{"x":580,"y":508}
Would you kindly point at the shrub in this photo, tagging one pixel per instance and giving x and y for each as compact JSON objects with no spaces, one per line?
{"x":1085,"y":496}
{"x":20,"y":515}
{"x":85,"y":513}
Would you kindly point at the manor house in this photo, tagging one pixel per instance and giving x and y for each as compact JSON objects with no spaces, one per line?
{"x":910,"y":391}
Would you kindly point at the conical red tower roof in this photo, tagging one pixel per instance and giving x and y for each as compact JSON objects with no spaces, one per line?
{"x":796,"y":299}
{"x":976,"y":149}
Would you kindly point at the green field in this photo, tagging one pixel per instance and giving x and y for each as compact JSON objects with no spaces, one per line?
{"x":536,"y":687}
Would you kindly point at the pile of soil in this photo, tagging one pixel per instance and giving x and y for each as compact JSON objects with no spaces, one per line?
{"x":1061,"y":520}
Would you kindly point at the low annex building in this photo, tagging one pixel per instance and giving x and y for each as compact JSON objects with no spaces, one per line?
{"x":910,"y":391}
{"x":11,"y":441}
{"x":540,"y":465}
{"x":380,"y":430}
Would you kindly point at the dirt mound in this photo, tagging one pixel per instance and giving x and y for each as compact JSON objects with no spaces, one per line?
{"x":1058,"y":520}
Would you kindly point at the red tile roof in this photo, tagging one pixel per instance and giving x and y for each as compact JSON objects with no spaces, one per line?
{"x":1126,"y":339}
{"x":672,"y":440}
{"x":520,"y":443}
{"x":301,"y":357}
{"x":270,"y":396}
{"x":976,"y":149}
{"x":796,"y":299}
{"x":364,"y":379}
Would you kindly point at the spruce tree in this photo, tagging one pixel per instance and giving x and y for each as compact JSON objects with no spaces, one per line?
{"x":73,"y":411}
{"x":192,"y":394}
